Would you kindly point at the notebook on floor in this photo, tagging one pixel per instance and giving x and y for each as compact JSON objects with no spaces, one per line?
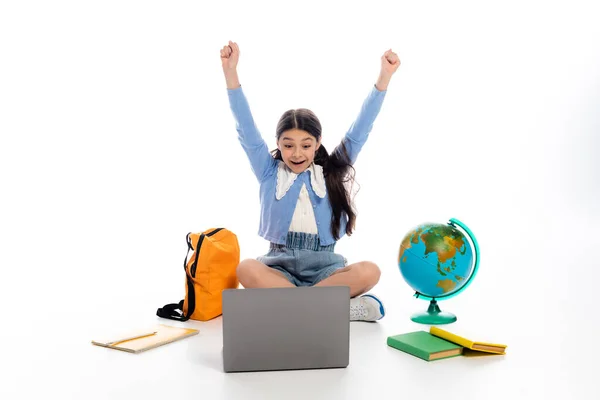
{"x":146,"y":339}
{"x":286,"y":328}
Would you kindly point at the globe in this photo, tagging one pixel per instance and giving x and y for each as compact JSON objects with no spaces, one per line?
{"x":438,"y":261}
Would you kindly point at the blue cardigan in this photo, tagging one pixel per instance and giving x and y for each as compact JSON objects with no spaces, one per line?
{"x":276,"y":215}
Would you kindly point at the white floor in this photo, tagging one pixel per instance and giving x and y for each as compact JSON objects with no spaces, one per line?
{"x":535,"y":293}
{"x":548,"y":353}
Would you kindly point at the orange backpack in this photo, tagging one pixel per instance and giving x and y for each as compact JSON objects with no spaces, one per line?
{"x":210,"y":270}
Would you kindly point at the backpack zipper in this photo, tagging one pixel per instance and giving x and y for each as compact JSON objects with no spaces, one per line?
{"x":215,"y":231}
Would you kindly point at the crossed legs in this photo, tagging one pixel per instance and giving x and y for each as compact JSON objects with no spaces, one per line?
{"x":360,"y":277}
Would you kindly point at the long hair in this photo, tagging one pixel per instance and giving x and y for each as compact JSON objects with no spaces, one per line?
{"x":337,"y":168}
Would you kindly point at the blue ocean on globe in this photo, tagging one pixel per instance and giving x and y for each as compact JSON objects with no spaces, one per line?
{"x":436,"y":260}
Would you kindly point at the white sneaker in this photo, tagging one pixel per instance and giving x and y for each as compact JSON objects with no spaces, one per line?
{"x":366,"y":308}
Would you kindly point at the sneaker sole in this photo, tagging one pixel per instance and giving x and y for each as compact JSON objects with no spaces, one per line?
{"x":381,"y":307}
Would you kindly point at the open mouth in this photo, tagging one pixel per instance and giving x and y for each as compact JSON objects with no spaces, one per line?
{"x":297,"y":163}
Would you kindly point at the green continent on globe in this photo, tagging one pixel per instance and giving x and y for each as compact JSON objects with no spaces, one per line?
{"x":445,"y":241}
{"x":411,"y":237}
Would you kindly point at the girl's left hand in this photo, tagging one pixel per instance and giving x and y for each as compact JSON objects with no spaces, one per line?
{"x":389,"y":62}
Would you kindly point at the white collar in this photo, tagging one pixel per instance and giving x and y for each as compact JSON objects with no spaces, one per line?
{"x":286,"y":178}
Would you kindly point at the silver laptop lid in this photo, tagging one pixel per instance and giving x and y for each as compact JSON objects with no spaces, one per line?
{"x":286,"y":328}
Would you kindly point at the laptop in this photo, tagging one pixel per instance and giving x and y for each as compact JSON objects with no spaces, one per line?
{"x":286,"y":328}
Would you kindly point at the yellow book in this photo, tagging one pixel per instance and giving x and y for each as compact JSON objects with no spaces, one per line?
{"x":136,"y":342}
{"x":469,"y":344}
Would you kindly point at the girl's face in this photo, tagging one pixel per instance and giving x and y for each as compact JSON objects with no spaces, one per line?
{"x":297,"y":149}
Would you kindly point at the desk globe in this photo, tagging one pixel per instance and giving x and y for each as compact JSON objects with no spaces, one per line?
{"x":438,"y":262}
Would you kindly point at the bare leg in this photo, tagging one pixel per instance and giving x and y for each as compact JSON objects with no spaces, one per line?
{"x":360,"y":277}
{"x":254,"y":274}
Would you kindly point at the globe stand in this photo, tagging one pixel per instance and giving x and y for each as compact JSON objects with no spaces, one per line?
{"x":433,"y":315}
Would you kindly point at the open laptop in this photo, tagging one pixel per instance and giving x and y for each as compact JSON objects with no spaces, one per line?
{"x":286,"y":328}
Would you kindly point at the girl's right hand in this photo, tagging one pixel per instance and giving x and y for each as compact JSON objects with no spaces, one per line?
{"x":230,"y":56}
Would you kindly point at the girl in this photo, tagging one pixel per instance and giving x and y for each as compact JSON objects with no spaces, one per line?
{"x":305,"y":201}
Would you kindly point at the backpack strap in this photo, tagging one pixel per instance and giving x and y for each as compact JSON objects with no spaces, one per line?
{"x":174,"y":311}
{"x":169,"y":311}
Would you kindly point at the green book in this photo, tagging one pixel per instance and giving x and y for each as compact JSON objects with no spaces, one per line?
{"x":424,"y":345}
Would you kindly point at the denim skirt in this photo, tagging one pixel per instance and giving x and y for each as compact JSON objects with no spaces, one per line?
{"x":302,"y":259}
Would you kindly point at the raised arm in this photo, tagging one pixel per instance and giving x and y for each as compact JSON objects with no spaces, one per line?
{"x":359,"y":131}
{"x":252,"y":142}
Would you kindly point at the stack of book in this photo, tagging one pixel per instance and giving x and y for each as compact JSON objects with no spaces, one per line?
{"x":438,"y":344}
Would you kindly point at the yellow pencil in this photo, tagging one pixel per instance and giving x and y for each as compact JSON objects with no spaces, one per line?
{"x":131,"y":338}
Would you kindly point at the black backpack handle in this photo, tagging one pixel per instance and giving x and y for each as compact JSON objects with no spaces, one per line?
{"x":169,"y":311}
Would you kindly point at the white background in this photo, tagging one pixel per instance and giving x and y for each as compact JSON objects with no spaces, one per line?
{"x":117,"y":140}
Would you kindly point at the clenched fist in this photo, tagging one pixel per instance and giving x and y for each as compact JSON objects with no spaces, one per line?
{"x":389,"y":63}
{"x":230,"y":55}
